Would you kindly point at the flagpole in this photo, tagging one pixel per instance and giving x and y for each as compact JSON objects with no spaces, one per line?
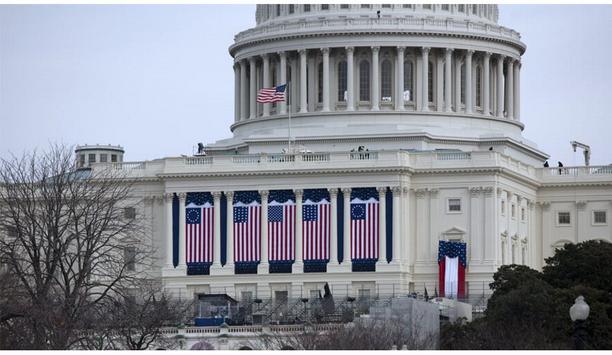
{"x":287,"y":89}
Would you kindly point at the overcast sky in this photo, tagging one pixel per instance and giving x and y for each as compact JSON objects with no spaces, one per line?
{"x":157,"y":79}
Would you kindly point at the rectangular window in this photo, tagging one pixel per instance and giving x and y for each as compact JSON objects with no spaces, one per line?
{"x":365,"y":6}
{"x":600,"y":217}
{"x":454,"y":205}
{"x":461,"y":8}
{"x":307,"y":8}
{"x":92,"y":158}
{"x":344,"y":6}
{"x":291,"y":9}
{"x":324,"y":6}
{"x":427,"y":6}
{"x":81,"y":160}
{"x":563,"y":218}
{"x":129,"y":257}
{"x":513,"y":210}
{"x":278,"y":10}
{"x":129,"y":212}
{"x":522,"y":213}
{"x":103,"y":158}
{"x":386,"y":6}
{"x":113,"y":158}
{"x":503,"y":207}
{"x":445,"y":7}
{"x":407,"y":6}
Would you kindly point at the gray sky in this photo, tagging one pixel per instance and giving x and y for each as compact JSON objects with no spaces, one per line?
{"x":157,"y":79}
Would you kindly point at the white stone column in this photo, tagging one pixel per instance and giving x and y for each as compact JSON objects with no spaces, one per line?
{"x":252,"y":89}
{"x":217,"y":229}
{"x":346,"y":261}
{"x":168,"y":197}
{"x":447,"y":79}
{"x":517,"y":93}
{"x":298,"y":265}
{"x":333,"y":235}
{"x":457,"y":83}
{"x":283,"y":80}
{"x":399,"y":79}
{"x":500,"y":87}
{"x":486,"y":68}
{"x":397,"y":195}
{"x":263,"y":264}
{"x":325,"y":52}
{"x":244,"y":91}
{"x":469,"y":103}
{"x":375,"y":80}
{"x":303,"y":82}
{"x":350,"y":79}
{"x":439,"y":83}
{"x":266,"y":81}
{"x":425,"y":76}
{"x":382,"y":233}
{"x":236,"y":92}
{"x":182,"y":246}
{"x":229,"y":250}
{"x":510,"y":88}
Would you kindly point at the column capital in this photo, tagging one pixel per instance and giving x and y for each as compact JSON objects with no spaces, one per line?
{"x":298,"y":193}
{"x":488,"y":191}
{"x":396,"y":189}
{"x":333,"y":192}
{"x":264,"y":56}
{"x":420,"y":193}
{"x":470,"y":52}
{"x":401,"y":49}
{"x":346,"y":190}
{"x":475,"y":191}
{"x":509,"y":59}
{"x":487,"y":54}
{"x":302,"y":51}
{"x":264,"y":194}
{"x":375,"y":49}
{"x":349,"y":49}
{"x":426,"y":50}
{"x":229,"y":194}
{"x":251,"y":60}
{"x":501,"y":57}
{"x":381,"y":190}
{"x":182,"y":196}
{"x":449,"y":51}
{"x":168,"y":196}
{"x":282,"y":54}
{"x":433,"y":193}
{"x":325,"y":50}
{"x":216,"y":194}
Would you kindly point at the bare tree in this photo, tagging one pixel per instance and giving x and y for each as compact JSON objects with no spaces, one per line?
{"x":66,"y":235}
{"x":135,"y":320}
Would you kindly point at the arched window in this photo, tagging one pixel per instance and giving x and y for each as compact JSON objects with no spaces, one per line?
{"x":342,"y":81}
{"x":364,"y":80}
{"x":307,"y":8}
{"x":479,"y":86}
{"x":291,"y":9}
{"x":320,"y":83}
{"x":278,"y":10}
{"x":386,"y":88}
{"x":408,"y":81}
{"x":463,"y":83}
{"x":461,"y":8}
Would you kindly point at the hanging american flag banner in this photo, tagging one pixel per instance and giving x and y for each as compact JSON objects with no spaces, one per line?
{"x":365,"y":219}
{"x":247,"y":227}
{"x":316,"y":215}
{"x":452,"y":260}
{"x":281,"y":226}
{"x":199,"y":229}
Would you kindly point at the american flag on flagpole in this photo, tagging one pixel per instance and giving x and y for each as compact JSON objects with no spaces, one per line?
{"x":365,"y":219}
{"x":199,"y":233}
{"x":316,"y":215}
{"x":281,"y":226}
{"x":247,"y":227}
{"x":274,"y":94}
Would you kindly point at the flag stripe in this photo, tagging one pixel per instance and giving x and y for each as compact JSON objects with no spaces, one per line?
{"x":199,"y":234}
{"x":365,"y":230}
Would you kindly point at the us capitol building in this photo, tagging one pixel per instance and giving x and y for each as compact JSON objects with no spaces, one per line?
{"x":404,"y":117}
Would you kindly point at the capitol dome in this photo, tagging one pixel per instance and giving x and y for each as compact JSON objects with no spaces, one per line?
{"x":388,"y":76}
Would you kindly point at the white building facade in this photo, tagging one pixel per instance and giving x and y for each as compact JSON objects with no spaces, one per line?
{"x":415,"y":107}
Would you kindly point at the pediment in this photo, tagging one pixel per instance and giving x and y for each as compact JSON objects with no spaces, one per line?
{"x":454,"y":231}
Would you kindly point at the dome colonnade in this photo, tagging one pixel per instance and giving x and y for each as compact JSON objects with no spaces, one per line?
{"x":385,"y":79}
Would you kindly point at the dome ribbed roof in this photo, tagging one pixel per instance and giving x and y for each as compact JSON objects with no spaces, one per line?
{"x":286,"y":12}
